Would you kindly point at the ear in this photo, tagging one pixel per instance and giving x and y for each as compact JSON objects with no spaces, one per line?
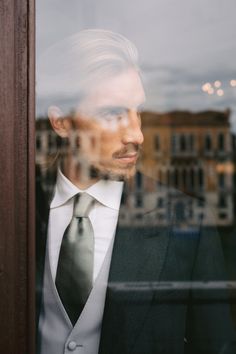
{"x":61,"y":125}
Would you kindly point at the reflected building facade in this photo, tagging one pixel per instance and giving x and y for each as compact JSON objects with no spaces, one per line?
{"x":192,"y":152}
{"x":184,"y":153}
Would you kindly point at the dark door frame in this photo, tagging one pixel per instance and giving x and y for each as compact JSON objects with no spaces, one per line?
{"x":17,"y":122}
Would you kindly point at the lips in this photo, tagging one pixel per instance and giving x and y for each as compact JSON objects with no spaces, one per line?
{"x":128,"y":158}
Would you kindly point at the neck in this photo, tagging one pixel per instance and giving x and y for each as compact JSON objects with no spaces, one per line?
{"x":78,"y":175}
{"x":80,"y":183}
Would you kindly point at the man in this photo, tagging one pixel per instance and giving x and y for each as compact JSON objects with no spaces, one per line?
{"x":103,"y":285}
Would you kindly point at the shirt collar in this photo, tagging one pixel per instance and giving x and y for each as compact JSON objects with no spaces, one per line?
{"x":106,"y":192}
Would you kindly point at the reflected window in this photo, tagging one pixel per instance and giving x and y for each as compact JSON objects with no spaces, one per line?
{"x":222,"y":216}
{"x":157,"y":143}
{"x":208,"y":143}
{"x":161,"y":216}
{"x":138,"y":216}
{"x":221,"y":142}
{"x":160,"y":202}
{"x":38,"y":142}
{"x":183,"y":144}
{"x":192,"y":179}
{"x":201,"y":217}
{"x":184,"y":178}
{"x":176,"y":177}
{"x":139,"y":180}
{"x":174,"y":143}
{"x":123,"y":199}
{"x":191,"y":142}
{"x":190,"y":213}
{"x":201,"y":201}
{"x":222,"y":201}
{"x":160,"y":176}
{"x":221,"y":180}
{"x":201,"y":178}
{"x":180,"y":211}
{"x":168,"y":177}
{"x":139,"y":200}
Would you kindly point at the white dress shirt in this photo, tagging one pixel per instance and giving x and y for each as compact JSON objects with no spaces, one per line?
{"x":103,"y":216}
{"x":57,"y":335}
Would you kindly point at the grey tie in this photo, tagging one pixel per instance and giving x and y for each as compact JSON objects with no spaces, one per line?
{"x":74,"y":278}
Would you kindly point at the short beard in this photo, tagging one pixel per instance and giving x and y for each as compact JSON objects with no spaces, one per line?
{"x":107,"y":175}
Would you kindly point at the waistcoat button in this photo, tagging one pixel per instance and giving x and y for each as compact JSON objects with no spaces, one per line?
{"x":72,"y":345}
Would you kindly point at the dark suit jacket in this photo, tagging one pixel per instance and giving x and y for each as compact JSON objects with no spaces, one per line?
{"x":154,"y":302}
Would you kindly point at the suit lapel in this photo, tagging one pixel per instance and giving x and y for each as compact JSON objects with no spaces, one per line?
{"x":42,"y":215}
{"x":138,"y":256}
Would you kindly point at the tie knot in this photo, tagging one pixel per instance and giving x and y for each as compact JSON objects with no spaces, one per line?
{"x":82,"y":204}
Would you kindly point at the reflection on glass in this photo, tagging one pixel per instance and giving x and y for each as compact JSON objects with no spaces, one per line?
{"x":135,"y":208}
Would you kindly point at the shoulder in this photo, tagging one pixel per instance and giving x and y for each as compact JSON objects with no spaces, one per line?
{"x":149,"y":196}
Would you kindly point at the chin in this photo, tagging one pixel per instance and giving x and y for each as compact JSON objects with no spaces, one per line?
{"x":123,"y":174}
{"x":115,"y":174}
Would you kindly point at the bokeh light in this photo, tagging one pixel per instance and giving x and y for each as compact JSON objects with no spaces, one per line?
{"x":220,"y":92}
{"x":217,"y":84}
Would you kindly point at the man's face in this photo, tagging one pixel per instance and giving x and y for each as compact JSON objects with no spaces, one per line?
{"x":109,"y":127}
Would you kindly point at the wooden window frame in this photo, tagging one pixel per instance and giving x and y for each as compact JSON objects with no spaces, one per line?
{"x":17,"y":161}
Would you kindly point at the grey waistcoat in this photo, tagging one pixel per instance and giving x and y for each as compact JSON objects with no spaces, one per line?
{"x":57,"y":335}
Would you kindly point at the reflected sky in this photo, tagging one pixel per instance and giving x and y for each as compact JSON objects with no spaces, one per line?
{"x":182,"y":44}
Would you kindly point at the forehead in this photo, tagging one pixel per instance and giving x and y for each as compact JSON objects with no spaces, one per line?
{"x":124,"y":89}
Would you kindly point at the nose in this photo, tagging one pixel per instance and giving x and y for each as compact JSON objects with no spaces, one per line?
{"x":132,"y":131}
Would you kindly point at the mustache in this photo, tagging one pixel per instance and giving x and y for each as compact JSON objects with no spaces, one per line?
{"x":129,"y":149}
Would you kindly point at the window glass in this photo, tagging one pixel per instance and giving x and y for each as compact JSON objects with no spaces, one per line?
{"x":135,"y":154}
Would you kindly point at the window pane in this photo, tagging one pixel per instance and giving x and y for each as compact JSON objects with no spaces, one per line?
{"x":136,"y":110}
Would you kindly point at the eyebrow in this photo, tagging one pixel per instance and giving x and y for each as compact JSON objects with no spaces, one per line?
{"x":111,"y":109}
{"x":117,"y":109}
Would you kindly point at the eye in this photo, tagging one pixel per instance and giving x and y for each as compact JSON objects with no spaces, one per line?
{"x":119,"y":118}
{"x":108,"y":117}
{"x":112,"y":115}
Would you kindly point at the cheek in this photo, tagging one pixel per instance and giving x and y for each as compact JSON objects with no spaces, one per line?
{"x":110,"y":142}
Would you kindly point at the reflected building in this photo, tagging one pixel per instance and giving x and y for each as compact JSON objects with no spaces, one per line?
{"x":192,"y":152}
{"x":184,"y":154}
